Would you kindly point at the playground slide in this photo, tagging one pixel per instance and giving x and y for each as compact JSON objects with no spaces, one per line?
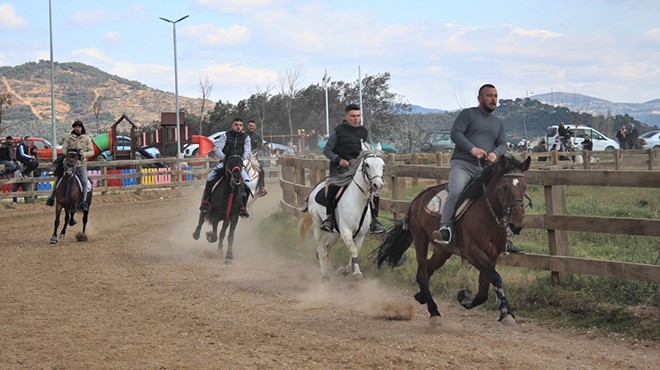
{"x":101,"y":143}
{"x":205,"y":145}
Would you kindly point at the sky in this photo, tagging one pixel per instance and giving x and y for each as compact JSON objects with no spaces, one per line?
{"x":437,"y":52}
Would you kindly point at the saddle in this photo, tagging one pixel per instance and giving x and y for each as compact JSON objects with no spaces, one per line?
{"x":472,"y":191}
{"x":323,"y":200}
{"x":79,"y":183}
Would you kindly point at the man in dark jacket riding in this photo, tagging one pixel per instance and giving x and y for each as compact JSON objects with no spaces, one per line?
{"x":343,"y":146}
{"x":233,"y":142}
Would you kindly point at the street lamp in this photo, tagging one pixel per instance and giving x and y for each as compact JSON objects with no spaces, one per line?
{"x":326,"y":80}
{"x":176,"y":86}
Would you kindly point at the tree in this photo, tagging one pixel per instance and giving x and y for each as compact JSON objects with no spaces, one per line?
{"x":205,"y":88}
{"x":259,"y":103}
{"x":288,"y":82}
{"x":5,"y":103}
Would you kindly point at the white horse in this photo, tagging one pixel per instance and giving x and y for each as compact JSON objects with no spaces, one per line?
{"x":362,"y":182}
{"x":252,"y":170}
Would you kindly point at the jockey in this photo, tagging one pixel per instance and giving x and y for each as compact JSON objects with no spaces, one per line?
{"x":77,"y":140}
{"x":344,"y":145}
{"x":232,"y":142}
{"x":479,"y":136}
{"x":255,"y":142}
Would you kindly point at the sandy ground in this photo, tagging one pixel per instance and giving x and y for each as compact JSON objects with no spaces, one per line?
{"x":142,"y":294}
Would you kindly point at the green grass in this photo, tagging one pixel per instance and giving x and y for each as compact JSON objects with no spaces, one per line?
{"x":605,"y":305}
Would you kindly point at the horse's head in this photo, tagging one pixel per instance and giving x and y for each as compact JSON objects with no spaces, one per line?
{"x":372,"y":170}
{"x":71,"y":161}
{"x":507,"y":187}
{"x":233,"y":167}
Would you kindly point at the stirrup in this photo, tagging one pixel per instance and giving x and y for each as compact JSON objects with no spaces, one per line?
{"x":83,"y":206}
{"x":243,"y":213}
{"x":328,"y":225}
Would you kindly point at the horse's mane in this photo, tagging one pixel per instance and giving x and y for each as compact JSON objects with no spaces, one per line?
{"x":346,"y":177}
{"x":475,"y":187}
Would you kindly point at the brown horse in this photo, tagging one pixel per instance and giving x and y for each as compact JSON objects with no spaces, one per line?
{"x":67,"y":194}
{"x":480,"y":233}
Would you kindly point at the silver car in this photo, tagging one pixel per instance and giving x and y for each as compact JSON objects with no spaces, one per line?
{"x":650,"y":140}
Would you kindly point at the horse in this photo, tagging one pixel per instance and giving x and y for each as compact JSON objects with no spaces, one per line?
{"x":67,"y":194}
{"x":252,"y":169}
{"x":225,"y":199}
{"x":480,"y":233}
{"x":362,"y":182}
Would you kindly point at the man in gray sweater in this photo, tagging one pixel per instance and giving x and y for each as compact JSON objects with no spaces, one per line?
{"x":479,"y":136}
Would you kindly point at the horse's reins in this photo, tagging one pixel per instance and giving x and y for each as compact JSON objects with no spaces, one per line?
{"x":506,"y":214}
{"x":370,"y":194}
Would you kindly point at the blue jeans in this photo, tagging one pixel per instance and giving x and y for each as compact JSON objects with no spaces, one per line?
{"x":82,"y":173}
{"x":460,"y":174}
{"x":10,"y":166}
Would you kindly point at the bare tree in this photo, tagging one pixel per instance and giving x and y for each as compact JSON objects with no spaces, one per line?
{"x":96,"y":108}
{"x":205,"y":87}
{"x":261,"y":102}
{"x":5,"y":102}
{"x":288,"y":86}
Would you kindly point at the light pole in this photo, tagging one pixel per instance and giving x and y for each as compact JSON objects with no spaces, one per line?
{"x":326,"y":80}
{"x":52,"y":83}
{"x":176,"y":86}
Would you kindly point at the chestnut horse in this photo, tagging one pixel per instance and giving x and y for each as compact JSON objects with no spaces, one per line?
{"x":480,"y":233}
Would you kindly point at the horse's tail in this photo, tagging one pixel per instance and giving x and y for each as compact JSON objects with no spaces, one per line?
{"x":397,"y":240}
{"x":304,"y":224}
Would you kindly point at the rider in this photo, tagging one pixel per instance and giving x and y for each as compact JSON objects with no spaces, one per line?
{"x":343,"y":146}
{"x":478,"y":135}
{"x":8,"y":157}
{"x":23,"y":154}
{"x":255,"y":144}
{"x":77,"y":140}
{"x":232,"y":142}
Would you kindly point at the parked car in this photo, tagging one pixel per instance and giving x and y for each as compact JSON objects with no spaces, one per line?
{"x":124,"y":143}
{"x":650,"y":140}
{"x":600,"y":141}
{"x":436,"y":141}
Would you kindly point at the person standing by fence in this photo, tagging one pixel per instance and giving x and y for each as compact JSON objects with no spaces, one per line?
{"x":256,"y":143}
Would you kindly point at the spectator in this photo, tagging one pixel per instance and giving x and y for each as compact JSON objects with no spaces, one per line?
{"x":255,"y":144}
{"x":541,"y":148}
{"x":633,"y":137}
{"x":622,"y":136}
{"x":587,"y":144}
{"x":290,"y":149}
{"x":23,"y":154}
{"x":8,"y":157}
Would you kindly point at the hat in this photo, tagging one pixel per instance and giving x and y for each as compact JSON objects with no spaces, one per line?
{"x":78,"y":123}
{"x":9,"y":138}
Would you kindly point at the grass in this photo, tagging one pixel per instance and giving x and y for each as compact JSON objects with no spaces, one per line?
{"x":606,"y":305}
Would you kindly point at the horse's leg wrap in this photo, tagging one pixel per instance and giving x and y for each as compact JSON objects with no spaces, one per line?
{"x":504,"y":305}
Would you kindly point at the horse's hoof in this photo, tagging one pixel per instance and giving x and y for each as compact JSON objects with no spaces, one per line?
{"x":72,"y":222}
{"x":465,"y":298}
{"x":62,"y":237}
{"x":420,"y":298}
{"x":435,"y":321}
{"x":508,"y":319}
{"x":357,"y":276}
{"x":342,"y":271}
{"x":196,"y":235}
{"x":53,"y":240}
{"x":325,"y":279}
{"x":81,"y":237}
{"x":228,"y":261}
{"x":211,"y":237}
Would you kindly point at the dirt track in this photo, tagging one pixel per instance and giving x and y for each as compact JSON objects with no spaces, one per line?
{"x":142,"y":294}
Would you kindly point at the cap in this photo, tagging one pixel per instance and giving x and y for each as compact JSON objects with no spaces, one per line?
{"x":78,"y":123}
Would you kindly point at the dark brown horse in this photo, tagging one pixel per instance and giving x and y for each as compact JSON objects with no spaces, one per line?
{"x":480,"y":233}
{"x":226,"y":199}
{"x":67,"y":194}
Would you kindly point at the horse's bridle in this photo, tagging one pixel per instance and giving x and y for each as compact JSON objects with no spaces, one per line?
{"x":368,"y":178}
{"x":70,"y":169}
{"x":508,"y":206}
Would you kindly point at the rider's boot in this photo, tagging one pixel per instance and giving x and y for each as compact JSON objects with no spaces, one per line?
{"x":243,"y":211}
{"x":375,"y":227}
{"x":51,"y":198}
{"x":206,"y":205}
{"x":83,"y":206}
{"x":329,"y":223}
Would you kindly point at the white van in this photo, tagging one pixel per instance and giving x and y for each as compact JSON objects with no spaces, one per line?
{"x":601,"y":142}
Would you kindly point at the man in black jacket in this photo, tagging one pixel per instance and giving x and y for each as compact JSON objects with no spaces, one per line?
{"x":344,"y":145}
{"x":8,"y":157}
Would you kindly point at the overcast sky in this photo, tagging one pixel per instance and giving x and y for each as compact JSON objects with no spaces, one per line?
{"x":438,"y":52}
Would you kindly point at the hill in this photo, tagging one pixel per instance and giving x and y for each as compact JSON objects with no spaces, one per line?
{"x":77,"y":88}
{"x":648,"y":112}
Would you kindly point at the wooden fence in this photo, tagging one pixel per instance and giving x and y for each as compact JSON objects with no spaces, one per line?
{"x":129,"y":175}
{"x":299,"y":175}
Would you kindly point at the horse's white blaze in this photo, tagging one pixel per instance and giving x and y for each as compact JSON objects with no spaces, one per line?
{"x":515,"y":182}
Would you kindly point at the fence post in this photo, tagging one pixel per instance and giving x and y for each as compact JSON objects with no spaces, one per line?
{"x":414,"y":160}
{"x":300,"y":180}
{"x":558,"y":243}
{"x":289,"y":197}
{"x":398,"y":193}
{"x":617,"y":159}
